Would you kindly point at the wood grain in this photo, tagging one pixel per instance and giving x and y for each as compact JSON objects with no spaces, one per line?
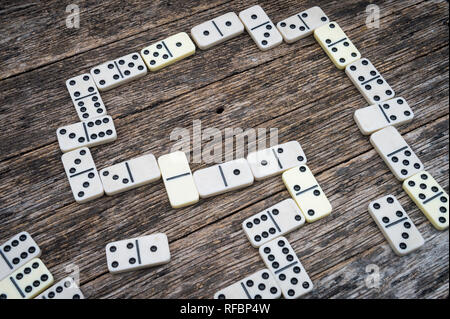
{"x":293,"y":88}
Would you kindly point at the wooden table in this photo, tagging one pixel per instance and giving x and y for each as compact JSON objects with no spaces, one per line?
{"x":294,"y":88}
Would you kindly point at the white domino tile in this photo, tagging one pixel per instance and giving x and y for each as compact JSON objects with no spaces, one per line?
{"x":222,"y":178}
{"x":275,"y":160}
{"x":287,"y":269}
{"x":260,"y":27}
{"x":396,"y":153}
{"x":217,"y":30}
{"x":369,"y":81}
{"x":137,"y":253}
{"x":260,"y":285}
{"x":119,"y":71}
{"x":395,"y":224}
{"x":16,"y":252}
{"x":178,"y":180}
{"x":302,"y":24}
{"x":168,"y":51}
{"x":94,"y":132}
{"x":375,"y":117}
{"x":272,"y":222}
{"x":85,"y":97}
{"x":130,"y":174}
{"x":82,"y":174}
{"x":336,"y":45}
{"x":64,"y":289}
{"x":430,"y":197}
{"x":26,"y":282}
{"x":307,"y":193}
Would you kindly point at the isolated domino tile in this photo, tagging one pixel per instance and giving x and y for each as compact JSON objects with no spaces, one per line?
{"x":178,"y":180}
{"x":275,"y":160}
{"x":302,"y":24}
{"x":26,"y":282}
{"x":378,"y":116}
{"x":82,"y":175}
{"x":260,"y":285}
{"x":137,"y":253}
{"x":130,"y":174}
{"x":336,"y":45}
{"x":217,"y":30}
{"x":260,"y":27}
{"x":222,"y":178}
{"x":369,"y":81}
{"x":113,"y":73}
{"x":307,"y":193}
{"x":16,"y":252}
{"x":395,"y":224}
{"x":85,"y":97}
{"x":430,"y":197}
{"x":396,"y":153}
{"x":168,"y":51}
{"x":94,"y":132}
{"x":284,"y":264}
{"x":64,"y":289}
{"x":272,"y":222}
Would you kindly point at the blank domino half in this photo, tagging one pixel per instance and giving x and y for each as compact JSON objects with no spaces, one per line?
{"x":16,"y":252}
{"x":82,"y":174}
{"x":178,"y":180}
{"x":217,"y":30}
{"x":130,"y":174}
{"x":284,"y":264}
{"x":138,"y":253}
{"x":260,"y":285}
{"x":336,"y":45}
{"x":222,"y":178}
{"x":260,"y":27}
{"x":272,"y":222}
{"x":85,"y":97}
{"x":396,"y":153}
{"x":64,"y":289}
{"x":168,"y":51}
{"x":275,"y":160}
{"x":378,"y":116}
{"x":302,"y":24}
{"x":395,"y":224}
{"x":95,"y":132}
{"x":119,"y":71}
{"x":430,"y":197}
{"x":369,"y":81}
{"x":26,"y":282}
{"x":307,"y":193}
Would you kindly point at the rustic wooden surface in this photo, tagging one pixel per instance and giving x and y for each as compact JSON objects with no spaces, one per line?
{"x":294,"y":88}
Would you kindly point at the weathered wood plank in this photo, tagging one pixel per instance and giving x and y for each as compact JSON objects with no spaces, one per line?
{"x":45,"y":89}
{"x":101,"y":23}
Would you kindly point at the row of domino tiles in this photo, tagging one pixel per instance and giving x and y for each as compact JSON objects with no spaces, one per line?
{"x":379,"y":120}
{"x":23,"y":275}
{"x":84,"y":89}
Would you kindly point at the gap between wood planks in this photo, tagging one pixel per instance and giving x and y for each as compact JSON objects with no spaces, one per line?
{"x":165,"y":101}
